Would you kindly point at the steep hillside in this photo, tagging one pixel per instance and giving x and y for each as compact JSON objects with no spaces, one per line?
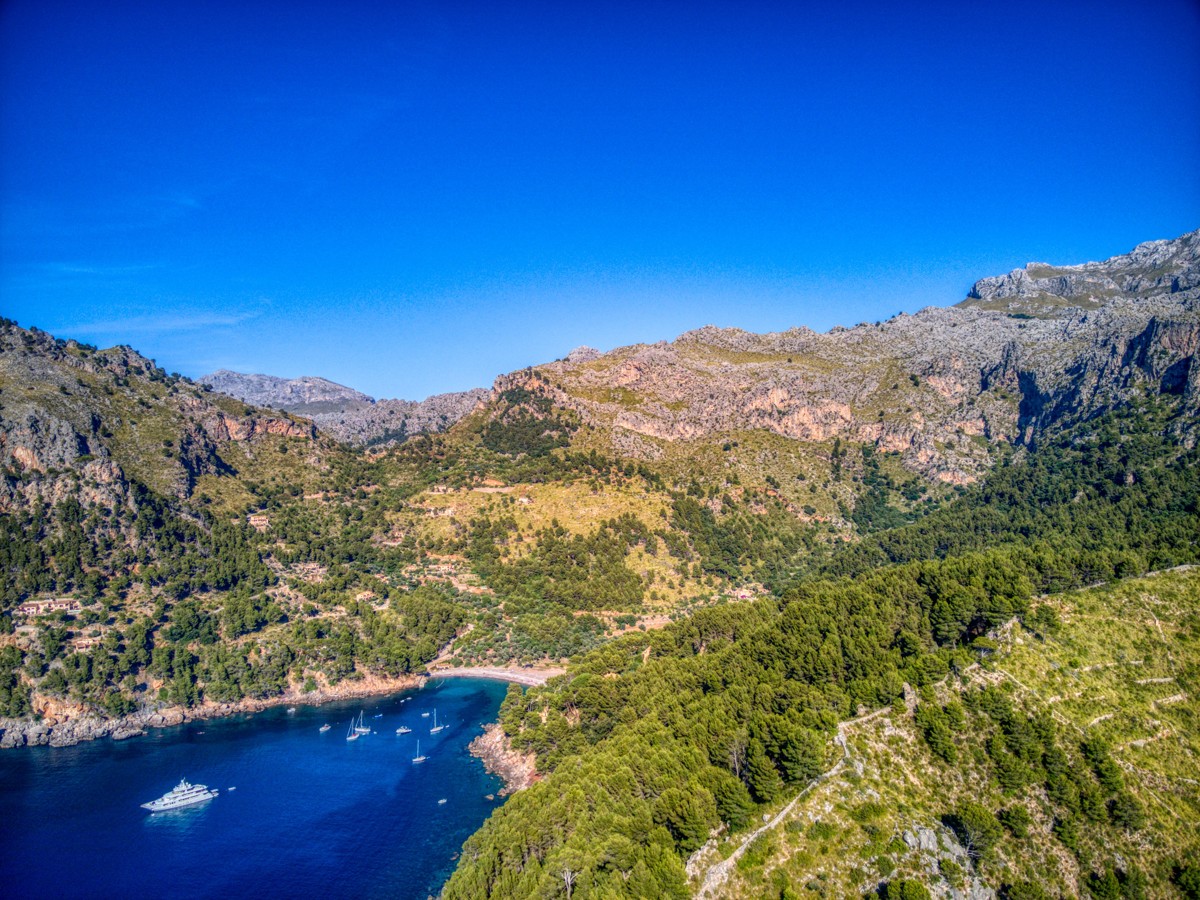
{"x":77,"y":420}
{"x":1060,"y":764}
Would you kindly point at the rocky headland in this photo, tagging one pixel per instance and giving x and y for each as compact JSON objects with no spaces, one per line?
{"x":519,"y":770}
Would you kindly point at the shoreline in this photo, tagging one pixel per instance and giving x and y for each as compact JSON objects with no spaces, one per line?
{"x":511,"y":674}
{"x":71,"y":723}
{"x":66,"y":723}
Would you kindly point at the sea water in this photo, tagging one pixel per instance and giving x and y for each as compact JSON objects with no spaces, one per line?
{"x":312,"y":814}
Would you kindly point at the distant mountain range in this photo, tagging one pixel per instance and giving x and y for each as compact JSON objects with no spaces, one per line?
{"x":343,"y":412}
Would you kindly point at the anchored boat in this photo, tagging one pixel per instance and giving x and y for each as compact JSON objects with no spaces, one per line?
{"x":183,"y":794}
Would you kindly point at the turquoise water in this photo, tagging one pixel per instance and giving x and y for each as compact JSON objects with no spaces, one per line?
{"x":312,"y":814}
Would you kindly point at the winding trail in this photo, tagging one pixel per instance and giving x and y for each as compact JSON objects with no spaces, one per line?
{"x":718,"y":873}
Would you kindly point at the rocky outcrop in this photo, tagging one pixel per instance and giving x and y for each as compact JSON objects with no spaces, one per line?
{"x":1154,"y":267}
{"x":518,"y":770}
{"x":391,"y":421}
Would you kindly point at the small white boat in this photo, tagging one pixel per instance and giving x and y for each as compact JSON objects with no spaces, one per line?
{"x":403,"y":730}
{"x":324,"y":728}
{"x":291,"y":709}
{"x":436,"y":727}
{"x":440,"y":802}
{"x":425,"y":715}
{"x":378,"y":715}
{"x":418,"y":758}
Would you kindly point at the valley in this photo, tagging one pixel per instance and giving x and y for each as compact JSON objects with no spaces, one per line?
{"x":900,"y":607}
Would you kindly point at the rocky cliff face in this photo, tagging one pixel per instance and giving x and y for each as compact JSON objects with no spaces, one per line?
{"x":942,"y":387}
{"x":80,"y":422}
{"x":387,"y":421}
{"x":345,"y":413}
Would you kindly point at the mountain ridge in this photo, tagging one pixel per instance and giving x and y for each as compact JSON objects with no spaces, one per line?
{"x":1021,"y":351}
{"x":344,"y":413}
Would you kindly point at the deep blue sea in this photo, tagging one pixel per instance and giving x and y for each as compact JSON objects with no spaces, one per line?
{"x":312,"y":814}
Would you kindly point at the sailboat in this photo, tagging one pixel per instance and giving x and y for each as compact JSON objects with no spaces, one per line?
{"x":352,"y":735}
{"x":418,"y":758}
{"x":360,"y":728}
{"x":436,"y":727}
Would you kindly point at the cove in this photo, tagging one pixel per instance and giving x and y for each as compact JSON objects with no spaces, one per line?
{"x":312,"y":813}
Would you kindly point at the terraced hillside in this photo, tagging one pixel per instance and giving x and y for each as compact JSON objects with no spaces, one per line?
{"x":1109,"y":678}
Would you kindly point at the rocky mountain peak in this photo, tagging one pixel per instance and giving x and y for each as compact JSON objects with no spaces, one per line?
{"x":583,"y":354}
{"x":1152,"y":267}
{"x":345,"y":413}
{"x":305,"y":395}
{"x":943,"y":387}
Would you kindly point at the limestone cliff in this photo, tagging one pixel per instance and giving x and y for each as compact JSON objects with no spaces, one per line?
{"x":942,"y":387}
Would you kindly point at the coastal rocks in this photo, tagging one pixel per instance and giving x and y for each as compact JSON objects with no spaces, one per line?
{"x":519,"y":770}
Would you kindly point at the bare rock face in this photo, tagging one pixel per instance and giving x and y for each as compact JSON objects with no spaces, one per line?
{"x":1155,"y":267}
{"x":390,"y":421}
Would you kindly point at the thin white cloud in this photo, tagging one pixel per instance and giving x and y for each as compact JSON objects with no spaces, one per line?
{"x":163,"y":323}
{"x":67,"y":269}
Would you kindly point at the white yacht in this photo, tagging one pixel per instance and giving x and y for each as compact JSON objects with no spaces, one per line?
{"x":183,"y":794}
{"x":436,"y":727}
{"x":418,"y":758}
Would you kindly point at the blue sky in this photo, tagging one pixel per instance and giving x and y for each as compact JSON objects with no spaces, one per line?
{"x":412,"y":198}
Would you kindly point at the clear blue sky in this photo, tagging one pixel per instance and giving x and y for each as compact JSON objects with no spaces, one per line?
{"x":411,"y":198}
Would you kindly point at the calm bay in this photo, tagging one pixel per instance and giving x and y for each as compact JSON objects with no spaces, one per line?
{"x":300,"y":813}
